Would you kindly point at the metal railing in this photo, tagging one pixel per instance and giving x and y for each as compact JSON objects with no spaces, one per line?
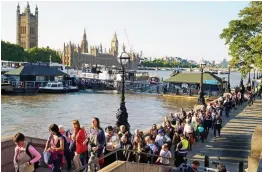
{"x":181,"y":168}
{"x":33,"y":84}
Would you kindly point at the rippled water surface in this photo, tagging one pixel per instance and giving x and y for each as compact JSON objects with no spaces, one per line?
{"x":33,"y":114}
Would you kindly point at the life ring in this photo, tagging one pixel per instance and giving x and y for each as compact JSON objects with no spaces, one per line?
{"x":22,"y":84}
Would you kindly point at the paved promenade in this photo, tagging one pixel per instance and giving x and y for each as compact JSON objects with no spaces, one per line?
{"x":234,"y":143}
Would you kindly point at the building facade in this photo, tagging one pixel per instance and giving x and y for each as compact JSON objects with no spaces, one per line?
{"x":77,"y":56}
{"x":27,"y":27}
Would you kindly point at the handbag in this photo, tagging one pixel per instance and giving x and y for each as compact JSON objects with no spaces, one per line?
{"x":48,"y":158}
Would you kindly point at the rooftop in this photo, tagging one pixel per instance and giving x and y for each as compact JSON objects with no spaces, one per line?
{"x":190,"y":77}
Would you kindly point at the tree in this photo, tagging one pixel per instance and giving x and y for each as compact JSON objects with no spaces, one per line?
{"x":244,"y":37}
{"x":12,"y":52}
{"x":42,"y":55}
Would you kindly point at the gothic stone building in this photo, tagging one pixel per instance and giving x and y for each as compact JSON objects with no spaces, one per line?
{"x":27,"y":27}
{"x":76,"y":56}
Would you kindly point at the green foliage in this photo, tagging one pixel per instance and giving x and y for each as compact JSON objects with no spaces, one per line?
{"x":42,"y":55}
{"x":163,"y":63}
{"x":14,"y":52}
{"x":244,"y":37}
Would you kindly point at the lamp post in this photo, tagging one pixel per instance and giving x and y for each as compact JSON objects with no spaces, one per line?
{"x":248,"y":82}
{"x":122,"y":115}
{"x":228,"y":80}
{"x":254,"y":77}
{"x":201,"y":99}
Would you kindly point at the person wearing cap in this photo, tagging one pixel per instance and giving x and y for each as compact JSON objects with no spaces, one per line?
{"x":161,"y":138}
{"x":181,"y":151}
{"x":112,"y":143}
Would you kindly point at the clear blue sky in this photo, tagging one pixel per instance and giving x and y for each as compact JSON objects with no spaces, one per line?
{"x":185,"y":29}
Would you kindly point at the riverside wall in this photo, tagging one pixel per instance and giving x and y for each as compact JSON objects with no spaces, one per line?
{"x":255,"y":157}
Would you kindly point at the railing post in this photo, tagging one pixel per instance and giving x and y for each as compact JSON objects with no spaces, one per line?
{"x":206,"y":163}
{"x":116,"y":156}
{"x":241,"y":166}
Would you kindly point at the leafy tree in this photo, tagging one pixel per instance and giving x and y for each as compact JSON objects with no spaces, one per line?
{"x":244,"y":37}
{"x":42,"y":55}
{"x":12,"y":52}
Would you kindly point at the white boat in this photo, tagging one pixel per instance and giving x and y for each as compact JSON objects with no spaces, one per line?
{"x":57,"y":87}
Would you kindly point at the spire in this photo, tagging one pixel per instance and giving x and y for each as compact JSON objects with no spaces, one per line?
{"x":27,"y":7}
{"x":84,"y":36}
{"x":115,"y":36}
{"x":36,"y":9}
{"x":18,"y":8}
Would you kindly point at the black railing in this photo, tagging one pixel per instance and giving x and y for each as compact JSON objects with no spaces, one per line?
{"x":181,"y":168}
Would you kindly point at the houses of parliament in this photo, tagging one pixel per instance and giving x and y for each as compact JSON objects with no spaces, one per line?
{"x":72,"y":55}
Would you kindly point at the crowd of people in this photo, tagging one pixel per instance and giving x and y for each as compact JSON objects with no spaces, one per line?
{"x":172,"y":139}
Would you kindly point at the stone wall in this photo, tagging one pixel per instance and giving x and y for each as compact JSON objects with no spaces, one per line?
{"x":7,"y":151}
{"x":256,"y":150}
{"x":120,"y":166}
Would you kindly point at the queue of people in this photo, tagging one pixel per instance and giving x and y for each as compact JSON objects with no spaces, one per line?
{"x":178,"y":133}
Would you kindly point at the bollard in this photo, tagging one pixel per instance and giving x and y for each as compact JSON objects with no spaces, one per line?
{"x":241,"y":166}
{"x":206,"y":161}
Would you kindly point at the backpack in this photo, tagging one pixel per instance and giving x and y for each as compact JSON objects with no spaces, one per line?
{"x":37,"y":163}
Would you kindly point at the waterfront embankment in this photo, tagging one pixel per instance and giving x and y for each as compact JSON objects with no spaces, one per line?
{"x":234,"y":144}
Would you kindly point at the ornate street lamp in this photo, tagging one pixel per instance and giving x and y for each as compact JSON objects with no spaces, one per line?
{"x":201,"y":99}
{"x":122,"y":115}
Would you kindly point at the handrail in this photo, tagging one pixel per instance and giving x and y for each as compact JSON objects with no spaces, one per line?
{"x":152,"y":155}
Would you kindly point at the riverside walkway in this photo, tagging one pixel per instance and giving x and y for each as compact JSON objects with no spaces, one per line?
{"x":234,"y":143}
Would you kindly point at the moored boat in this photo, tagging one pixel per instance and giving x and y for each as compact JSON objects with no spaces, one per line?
{"x":57,"y":87}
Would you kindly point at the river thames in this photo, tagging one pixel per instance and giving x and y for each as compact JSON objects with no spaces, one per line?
{"x":32,"y":114}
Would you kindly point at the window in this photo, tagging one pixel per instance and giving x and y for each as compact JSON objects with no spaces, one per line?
{"x":54,"y":85}
{"x":23,"y":30}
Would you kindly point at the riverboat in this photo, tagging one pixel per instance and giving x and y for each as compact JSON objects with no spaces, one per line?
{"x":57,"y":87}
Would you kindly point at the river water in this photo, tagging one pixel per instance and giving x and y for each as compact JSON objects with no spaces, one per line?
{"x":32,"y":114}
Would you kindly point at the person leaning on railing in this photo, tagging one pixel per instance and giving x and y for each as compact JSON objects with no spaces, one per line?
{"x":96,"y":140}
{"x":112,"y":143}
